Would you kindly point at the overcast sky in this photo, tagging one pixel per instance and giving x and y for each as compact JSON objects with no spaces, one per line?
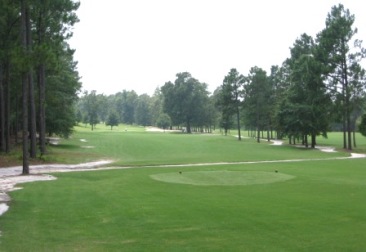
{"x":141,"y":44}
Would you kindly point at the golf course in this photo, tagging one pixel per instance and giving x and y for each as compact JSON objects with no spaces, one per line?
{"x":170,"y":191}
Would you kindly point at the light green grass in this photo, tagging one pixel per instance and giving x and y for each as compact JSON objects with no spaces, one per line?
{"x":138,"y":148}
{"x":313,"y":206}
{"x":223,"y":178}
{"x":321,"y":209}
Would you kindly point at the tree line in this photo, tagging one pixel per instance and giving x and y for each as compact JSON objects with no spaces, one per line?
{"x":39,"y":81}
{"x":184,"y":104}
{"x":319,"y":87}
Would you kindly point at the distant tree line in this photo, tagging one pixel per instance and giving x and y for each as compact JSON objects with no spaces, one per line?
{"x":322,"y":85}
{"x":186,"y":104}
{"x":39,"y":81}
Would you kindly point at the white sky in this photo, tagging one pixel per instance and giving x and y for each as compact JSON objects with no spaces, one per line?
{"x":141,"y":44}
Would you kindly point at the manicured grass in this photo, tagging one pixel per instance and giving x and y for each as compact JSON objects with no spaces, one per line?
{"x":321,"y":209}
{"x":304,"y":206}
{"x":136,"y":148}
{"x":222,"y":177}
{"x":336,"y":139}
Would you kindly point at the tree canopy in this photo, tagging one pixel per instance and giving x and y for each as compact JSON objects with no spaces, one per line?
{"x":39,"y":81}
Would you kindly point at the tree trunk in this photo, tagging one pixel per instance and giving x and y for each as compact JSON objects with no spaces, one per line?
{"x":348,"y":110}
{"x":2,"y":112}
{"x":238,"y":120}
{"x":344,"y":131}
{"x":188,"y":127}
{"x":42,"y":111}
{"x":42,"y":85}
{"x":25,"y":123}
{"x":16,"y":119}
{"x":32,"y":117}
{"x":306,"y":141}
{"x":24,"y":90}
{"x":313,"y":140}
{"x":32,"y":107}
{"x":7,"y":106}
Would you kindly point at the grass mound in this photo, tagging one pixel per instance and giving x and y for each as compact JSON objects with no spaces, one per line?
{"x":222,"y":178}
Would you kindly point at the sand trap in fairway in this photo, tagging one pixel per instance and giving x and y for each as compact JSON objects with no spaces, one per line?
{"x":3,"y":208}
{"x":277,"y":142}
{"x":222,"y":178}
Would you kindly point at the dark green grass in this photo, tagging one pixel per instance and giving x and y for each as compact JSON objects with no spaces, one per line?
{"x":321,"y":209}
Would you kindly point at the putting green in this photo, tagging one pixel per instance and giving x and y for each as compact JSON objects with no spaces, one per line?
{"x":223,"y":178}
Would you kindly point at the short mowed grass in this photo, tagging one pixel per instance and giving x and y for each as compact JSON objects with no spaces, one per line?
{"x":320,"y":206}
{"x":135,"y":147}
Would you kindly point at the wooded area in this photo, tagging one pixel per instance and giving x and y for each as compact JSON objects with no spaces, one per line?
{"x":38,"y":76}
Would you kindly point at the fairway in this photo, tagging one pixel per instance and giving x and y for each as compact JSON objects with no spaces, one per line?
{"x":162,"y":203}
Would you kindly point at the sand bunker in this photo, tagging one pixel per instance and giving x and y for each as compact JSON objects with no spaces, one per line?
{"x":277,"y":142}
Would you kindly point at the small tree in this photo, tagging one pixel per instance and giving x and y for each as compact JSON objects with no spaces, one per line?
{"x":112,"y":119}
{"x":163,"y":121}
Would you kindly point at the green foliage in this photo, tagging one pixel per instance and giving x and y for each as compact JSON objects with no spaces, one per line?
{"x":185,"y":101}
{"x":164,"y":121}
{"x":92,"y":107}
{"x":362,"y":125}
{"x":342,"y":65}
{"x":143,"y":113}
{"x":61,"y":96}
{"x":306,"y":107}
{"x":112,"y":119}
{"x":229,"y":101}
{"x":44,"y":54}
{"x":257,"y":104}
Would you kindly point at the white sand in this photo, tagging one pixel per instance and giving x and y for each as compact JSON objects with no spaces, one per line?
{"x":277,"y":142}
{"x":3,"y":208}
